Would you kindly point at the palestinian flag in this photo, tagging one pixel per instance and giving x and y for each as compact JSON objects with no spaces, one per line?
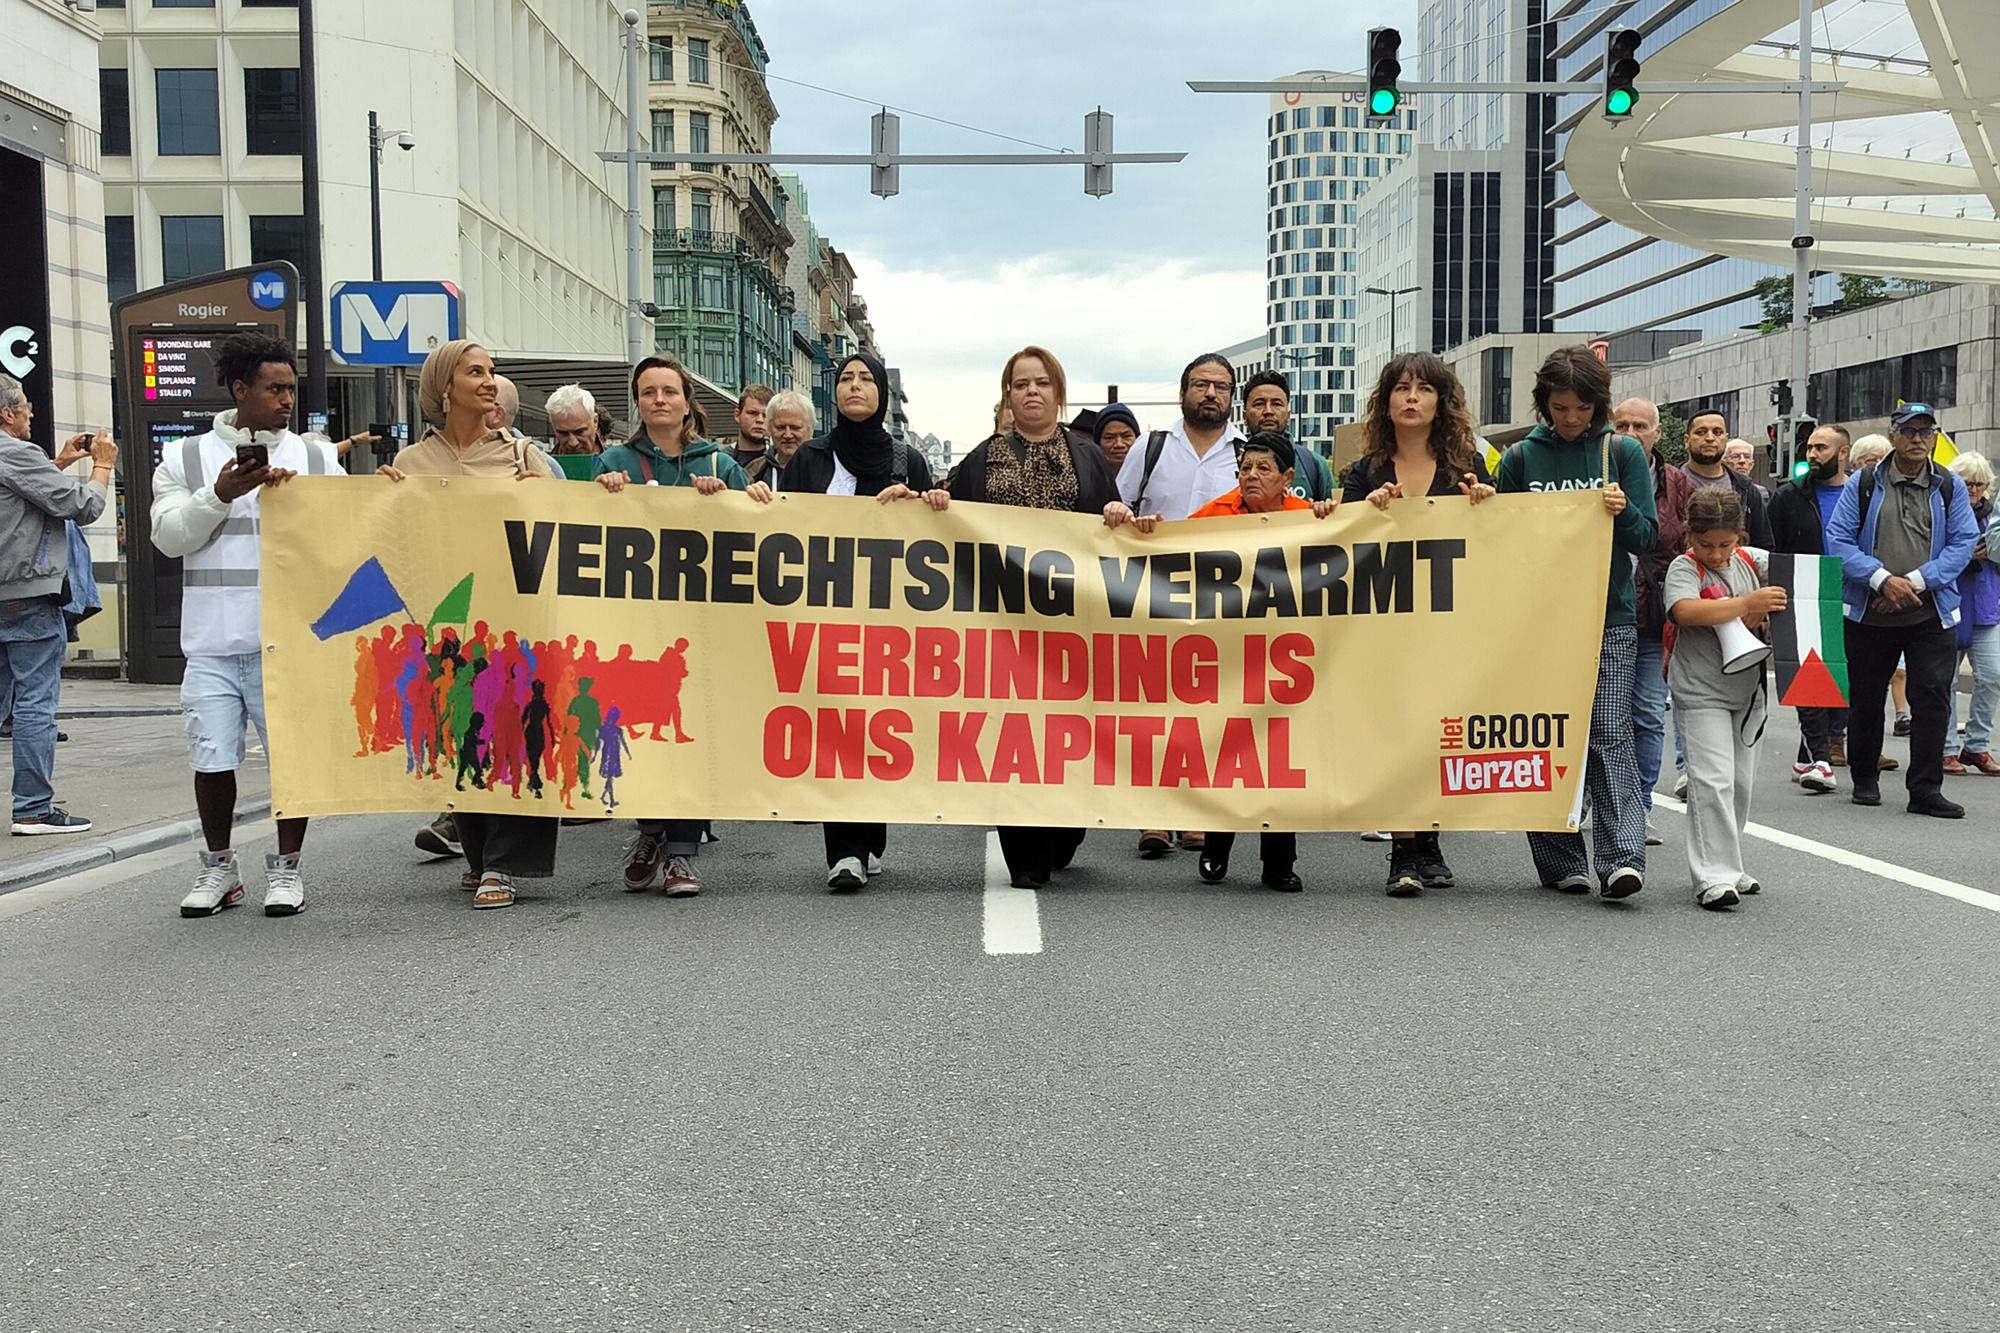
{"x":1809,"y":637}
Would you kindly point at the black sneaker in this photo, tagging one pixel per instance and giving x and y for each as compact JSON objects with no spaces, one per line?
{"x":55,"y":821}
{"x":1284,"y":881}
{"x":1902,"y":727}
{"x":1868,"y":795}
{"x":1213,"y":869}
{"x":440,"y":837}
{"x":1430,"y":862}
{"x":1405,"y":881}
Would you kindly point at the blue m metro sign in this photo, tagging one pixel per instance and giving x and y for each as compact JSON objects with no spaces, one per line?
{"x":393,"y":323}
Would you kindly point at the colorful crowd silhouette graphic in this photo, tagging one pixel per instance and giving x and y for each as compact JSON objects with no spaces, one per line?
{"x":495,"y":710}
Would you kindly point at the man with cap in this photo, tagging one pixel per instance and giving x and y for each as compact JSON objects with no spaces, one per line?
{"x":1116,"y":431}
{"x":1267,"y":405}
{"x":1903,"y":531}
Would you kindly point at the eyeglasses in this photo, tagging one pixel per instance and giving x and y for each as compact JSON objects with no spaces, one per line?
{"x":1924,"y":433}
{"x":1211,"y":386}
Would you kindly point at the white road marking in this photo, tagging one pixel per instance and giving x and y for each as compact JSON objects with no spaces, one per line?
{"x":1916,"y":879}
{"x":1013,"y":918}
{"x":120,"y":872}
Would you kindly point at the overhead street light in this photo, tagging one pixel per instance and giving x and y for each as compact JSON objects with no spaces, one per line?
{"x":1392,"y":295}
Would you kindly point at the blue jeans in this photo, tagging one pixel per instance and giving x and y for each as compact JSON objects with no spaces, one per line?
{"x":1985,"y":655}
{"x":31,"y":657}
{"x":1649,"y":712}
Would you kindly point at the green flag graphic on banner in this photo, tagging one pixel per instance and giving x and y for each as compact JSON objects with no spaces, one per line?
{"x":456,"y":608}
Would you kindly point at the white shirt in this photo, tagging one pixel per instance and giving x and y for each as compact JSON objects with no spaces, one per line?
{"x":1182,"y":482}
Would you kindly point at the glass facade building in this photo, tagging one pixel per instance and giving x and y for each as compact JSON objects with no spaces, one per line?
{"x":1324,"y":155}
{"x":1611,"y":281}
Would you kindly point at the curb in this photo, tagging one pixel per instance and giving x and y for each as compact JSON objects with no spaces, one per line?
{"x":119,"y":847}
{"x":85,"y":715}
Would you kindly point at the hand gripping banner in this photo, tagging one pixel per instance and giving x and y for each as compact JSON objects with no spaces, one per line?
{"x":550,"y":649}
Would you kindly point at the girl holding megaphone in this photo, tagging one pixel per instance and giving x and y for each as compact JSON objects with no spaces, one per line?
{"x":1717,"y":599}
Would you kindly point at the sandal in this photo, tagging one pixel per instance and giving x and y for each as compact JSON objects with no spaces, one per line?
{"x":494,"y":891}
{"x":469,"y":881}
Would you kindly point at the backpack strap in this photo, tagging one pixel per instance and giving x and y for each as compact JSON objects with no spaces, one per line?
{"x":899,"y":465}
{"x":1156,"y":443}
{"x":1865,"y":492}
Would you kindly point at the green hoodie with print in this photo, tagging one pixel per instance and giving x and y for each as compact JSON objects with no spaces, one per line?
{"x":1544,"y":461}
{"x":702,"y":458}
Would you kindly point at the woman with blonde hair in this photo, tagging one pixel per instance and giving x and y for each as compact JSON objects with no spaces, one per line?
{"x":1978,"y":630}
{"x":456,"y":390}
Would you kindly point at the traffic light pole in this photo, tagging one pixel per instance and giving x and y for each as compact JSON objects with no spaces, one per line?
{"x":1802,"y":242}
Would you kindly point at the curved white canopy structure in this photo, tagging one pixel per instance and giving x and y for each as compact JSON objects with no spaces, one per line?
{"x":1910,"y":186}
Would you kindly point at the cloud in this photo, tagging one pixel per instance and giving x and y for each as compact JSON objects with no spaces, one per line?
{"x":1134,"y":326}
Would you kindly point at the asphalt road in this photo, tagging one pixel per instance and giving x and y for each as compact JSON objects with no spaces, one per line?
{"x":1490,"y":1108}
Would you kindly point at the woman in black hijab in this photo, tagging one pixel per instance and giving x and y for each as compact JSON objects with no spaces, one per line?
{"x":857,"y":457}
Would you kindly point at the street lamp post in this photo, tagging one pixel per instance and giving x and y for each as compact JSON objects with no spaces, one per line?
{"x":1392,"y":295}
{"x":378,"y":139}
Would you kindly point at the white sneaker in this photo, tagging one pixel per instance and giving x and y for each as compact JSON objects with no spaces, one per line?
{"x":1652,"y":838}
{"x":1622,"y":883}
{"x":284,"y":891}
{"x":1718,"y":897}
{"x":216,"y":885}
{"x":1747,"y":886}
{"x":1681,"y":787}
{"x":848,"y":874}
{"x":1572,"y":884}
{"x":874,"y":865}
{"x":1376,"y":835}
{"x":1818,"y":778}
{"x":1799,"y":771}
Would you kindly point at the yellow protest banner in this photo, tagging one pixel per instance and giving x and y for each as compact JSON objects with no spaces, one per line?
{"x":549,"y":648}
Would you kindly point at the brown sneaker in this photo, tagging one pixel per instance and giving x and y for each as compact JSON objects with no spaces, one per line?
{"x":1952,"y":767}
{"x":1155,"y":842}
{"x":1193,"y":842}
{"x":1888,"y":765}
{"x":1982,"y":761}
{"x":1837,"y":747}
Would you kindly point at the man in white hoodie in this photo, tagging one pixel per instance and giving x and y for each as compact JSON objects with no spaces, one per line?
{"x":205,"y":511}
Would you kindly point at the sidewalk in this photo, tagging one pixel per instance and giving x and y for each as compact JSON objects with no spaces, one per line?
{"x":125,"y":769}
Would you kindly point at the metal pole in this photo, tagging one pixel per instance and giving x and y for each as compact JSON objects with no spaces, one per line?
{"x":313,"y":276}
{"x":635,"y":343}
{"x":375,"y":236}
{"x":1801,"y":250}
{"x":1392,"y":326}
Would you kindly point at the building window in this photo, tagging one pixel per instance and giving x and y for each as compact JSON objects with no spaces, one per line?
{"x":663,"y":131}
{"x":1347,"y":399}
{"x":703,"y":205}
{"x":114,"y":110}
{"x":663,"y":209}
{"x":662,"y":54}
{"x":1350,"y":117}
{"x":268,"y":4}
{"x":1325,"y":310}
{"x":278,"y":237}
{"x":1498,"y":372}
{"x":121,"y":255}
{"x":697,"y":60}
{"x":271,"y":112}
{"x":1931,"y":377}
{"x":698,"y":138}
{"x":184,"y":4}
{"x":190,"y":114}
{"x":190,"y":247}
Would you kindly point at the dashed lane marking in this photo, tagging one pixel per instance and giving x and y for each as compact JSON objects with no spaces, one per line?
{"x":1013,"y":917}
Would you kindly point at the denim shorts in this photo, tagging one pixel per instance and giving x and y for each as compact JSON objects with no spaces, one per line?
{"x":220,"y":694}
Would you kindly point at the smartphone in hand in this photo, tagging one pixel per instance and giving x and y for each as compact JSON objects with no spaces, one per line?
{"x":250,"y":457}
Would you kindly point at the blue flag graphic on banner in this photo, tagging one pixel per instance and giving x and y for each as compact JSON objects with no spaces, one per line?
{"x":367,"y":598}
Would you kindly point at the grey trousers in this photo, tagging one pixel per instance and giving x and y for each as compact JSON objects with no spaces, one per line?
{"x":1720,"y":770}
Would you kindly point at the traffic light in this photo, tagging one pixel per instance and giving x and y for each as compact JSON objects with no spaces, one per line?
{"x":1383,"y":70}
{"x":1621,"y":69}
{"x":1781,"y":397}
{"x":1802,"y":433}
{"x":885,"y":140}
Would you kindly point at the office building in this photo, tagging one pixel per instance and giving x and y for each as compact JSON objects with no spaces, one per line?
{"x":501,"y":193}
{"x":1325,"y":156}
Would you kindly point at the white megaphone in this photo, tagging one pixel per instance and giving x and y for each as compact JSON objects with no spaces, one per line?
{"x":1741,"y":649}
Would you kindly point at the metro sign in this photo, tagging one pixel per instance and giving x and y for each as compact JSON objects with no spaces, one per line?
{"x":393,"y":323}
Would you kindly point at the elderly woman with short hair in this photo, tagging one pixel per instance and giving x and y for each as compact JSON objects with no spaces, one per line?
{"x":790,"y":419}
{"x":1978,"y":630}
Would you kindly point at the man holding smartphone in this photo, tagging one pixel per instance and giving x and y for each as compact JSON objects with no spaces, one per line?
{"x":205,"y":511}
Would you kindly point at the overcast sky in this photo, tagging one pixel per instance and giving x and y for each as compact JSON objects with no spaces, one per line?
{"x":967,"y":264}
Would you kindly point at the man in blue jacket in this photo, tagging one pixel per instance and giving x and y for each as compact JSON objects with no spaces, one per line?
{"x":1903,"y":532}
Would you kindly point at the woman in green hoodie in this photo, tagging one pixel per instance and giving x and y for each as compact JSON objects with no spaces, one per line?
{"x":668,"y":450}
{"x":1575,"y":449}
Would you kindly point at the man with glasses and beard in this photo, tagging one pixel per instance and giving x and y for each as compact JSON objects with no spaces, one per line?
{"x":1800,"y":511}
{"x":1177,"y":471}
{"x":1707,"y":442}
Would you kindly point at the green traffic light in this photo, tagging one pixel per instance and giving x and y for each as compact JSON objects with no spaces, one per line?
{"x":1382,"y":101}
{"x":1619,"y":101}
{"x":1800,"y":468}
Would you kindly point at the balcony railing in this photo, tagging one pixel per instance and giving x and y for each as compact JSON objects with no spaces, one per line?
{"x":684,"y":239}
